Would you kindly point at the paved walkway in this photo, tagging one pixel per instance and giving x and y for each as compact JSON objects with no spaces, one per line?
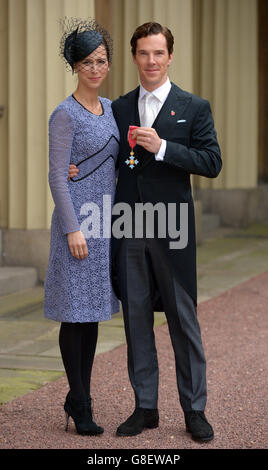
{"x":232,"y":309}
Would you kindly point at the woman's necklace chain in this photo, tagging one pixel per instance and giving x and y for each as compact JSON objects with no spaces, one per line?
{"x":93,"y":109}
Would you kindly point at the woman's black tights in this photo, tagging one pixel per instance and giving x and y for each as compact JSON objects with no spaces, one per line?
{"x":78,"y":345}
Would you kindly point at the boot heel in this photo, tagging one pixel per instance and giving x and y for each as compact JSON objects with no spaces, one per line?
{"x":67,"y":416}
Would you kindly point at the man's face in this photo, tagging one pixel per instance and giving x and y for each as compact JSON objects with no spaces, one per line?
{"x":152,"y":59}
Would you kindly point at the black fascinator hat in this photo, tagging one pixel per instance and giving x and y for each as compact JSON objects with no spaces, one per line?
{"x":80,"y":38}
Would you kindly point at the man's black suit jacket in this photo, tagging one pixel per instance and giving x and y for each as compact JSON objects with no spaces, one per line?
{"x":186,"y":123}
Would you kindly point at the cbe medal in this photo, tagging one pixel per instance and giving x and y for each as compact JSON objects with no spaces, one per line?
{"x":132,"y":160}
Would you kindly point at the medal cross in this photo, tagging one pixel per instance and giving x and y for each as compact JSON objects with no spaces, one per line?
{"x":131,"y":162}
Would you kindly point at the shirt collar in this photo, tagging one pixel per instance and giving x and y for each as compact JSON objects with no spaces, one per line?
{"x":160,"y":93}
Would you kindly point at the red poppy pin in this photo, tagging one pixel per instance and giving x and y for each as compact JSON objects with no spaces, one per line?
{"x":172,"y":113}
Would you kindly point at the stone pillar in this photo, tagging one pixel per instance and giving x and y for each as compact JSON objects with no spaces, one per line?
{"x":4,"y":113}
{"x":17,"y":114}
{"x":229,"y":80}
{"x":35,"y":101}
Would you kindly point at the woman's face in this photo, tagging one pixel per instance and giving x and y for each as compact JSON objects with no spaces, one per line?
{"x":93,"y":69}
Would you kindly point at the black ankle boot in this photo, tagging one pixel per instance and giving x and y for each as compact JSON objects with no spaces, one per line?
{"x":197,"y":424}
{"x":81,"y":413}
{"x":140,"y":419}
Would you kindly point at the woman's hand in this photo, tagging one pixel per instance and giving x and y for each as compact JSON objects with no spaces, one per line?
{"x":77,"y":244}
{"x":73,"y":171}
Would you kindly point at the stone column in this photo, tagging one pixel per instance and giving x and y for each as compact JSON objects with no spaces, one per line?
{"x":17,"y":114}
{"x":4,"y":113}
{"x":229,"y":80}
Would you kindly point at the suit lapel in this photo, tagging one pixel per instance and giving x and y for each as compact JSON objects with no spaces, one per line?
{"x":172,"y":109}
{"x":131,"y":108}
{"x":137,"y":114}
{"x":176,"y":102}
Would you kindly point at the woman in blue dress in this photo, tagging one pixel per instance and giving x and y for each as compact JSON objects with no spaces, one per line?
{"x":78,"y":289}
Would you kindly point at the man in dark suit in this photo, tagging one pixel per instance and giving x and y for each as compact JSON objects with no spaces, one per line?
{"x":151,"y":270}
{"x":175,"y":138}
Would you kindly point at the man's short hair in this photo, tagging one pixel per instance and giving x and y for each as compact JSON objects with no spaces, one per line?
{"x":148,"y":29}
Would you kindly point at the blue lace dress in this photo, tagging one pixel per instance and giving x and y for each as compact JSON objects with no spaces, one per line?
{"x":81,"y":290}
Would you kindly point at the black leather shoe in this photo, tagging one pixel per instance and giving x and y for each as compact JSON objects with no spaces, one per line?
{"x":140,"y":419}
{"x":198,"y":426}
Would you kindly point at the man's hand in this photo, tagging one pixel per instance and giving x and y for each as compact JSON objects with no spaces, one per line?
{"x":73,"y":171}
{"x":148,"y":138}
{"x":77,"y":244}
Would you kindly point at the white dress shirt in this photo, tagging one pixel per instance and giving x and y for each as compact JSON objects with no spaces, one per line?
{"x":160,"y":96}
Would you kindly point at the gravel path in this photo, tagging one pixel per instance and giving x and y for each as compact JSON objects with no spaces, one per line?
{"x":234,"y":327}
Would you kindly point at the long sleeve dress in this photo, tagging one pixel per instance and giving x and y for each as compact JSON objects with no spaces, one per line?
{"x":81,"y":290}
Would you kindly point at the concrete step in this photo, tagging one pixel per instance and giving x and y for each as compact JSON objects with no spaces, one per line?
{"x":21,"y":303}
{"x":210,"y":222}
{"x":16,"y":278}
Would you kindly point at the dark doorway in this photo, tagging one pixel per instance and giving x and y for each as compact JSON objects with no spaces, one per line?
{"x":263,"y":91}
